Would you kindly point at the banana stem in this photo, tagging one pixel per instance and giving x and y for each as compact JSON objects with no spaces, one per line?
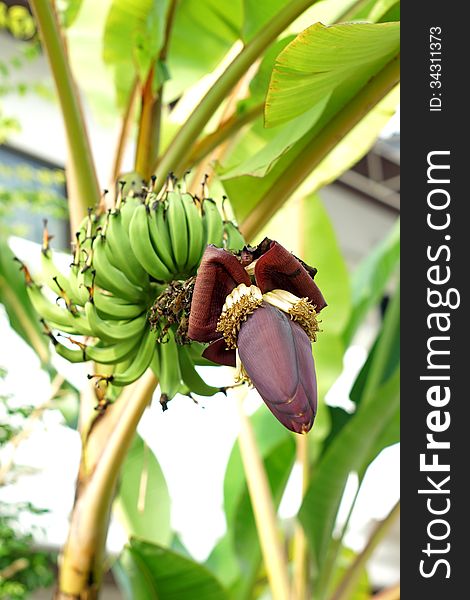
{"x":104,"y":451}
{"x":148,"y":138}
{"x":225,"y":130}
{"x":299,"y":584}
{"x":274,"y":557}
{"x":347,"y":584}
{"x":206,"y":167}
{"x":173,"y":158}
{"x":320,"y":146}
{"x":84,"y":180}
{"x":126,"y":124}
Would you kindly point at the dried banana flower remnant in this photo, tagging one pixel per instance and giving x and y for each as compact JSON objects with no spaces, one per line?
{"x":258,"y":311}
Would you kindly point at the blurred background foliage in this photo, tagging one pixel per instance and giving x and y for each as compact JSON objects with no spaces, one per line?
{"x":311,"y":102}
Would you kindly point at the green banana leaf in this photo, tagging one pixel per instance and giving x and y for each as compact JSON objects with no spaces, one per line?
{"x":261,"y":162}
{"x":256,"y":14}
{"x":149,"y":572}
{"x":259,"y":84}
{"x":134,"y":32}
{"x":381,"y":363}
{"x":246,"y":191}
{"x":23,"y":318}
{"x":349,"y":452}
{"x":203,"y":33}
{"x":151,"y":521}
{"x":264,"y":146}
{"x":113,"y":41}
{"x":222,"y":561}
{"x":323,"y":58}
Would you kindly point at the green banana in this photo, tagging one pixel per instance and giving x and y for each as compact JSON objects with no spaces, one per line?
{"x":85,"y":280}
{"x":155,"y":362}
{"x":74,"y":284}
{"x":142,"y":245}
{"x":131,"y":183}
{"x":176,"y":219}
{"x":195,"y":233}
{"x":213,"y":224}
{"x":185,"y":391}
{"x":73,"y":356}
{"x":81,"y":276}
{"x":233,"y":238}
{"x":58,"y":317}
{"x":160,"y":235}
{"x":191,"y":377}
{"x":113,"y":331}
{"x":127,"y":208}
{"x":89,"y":228}
{"x":141,"y":361}
{"x":119,"y":251}
{"x":99,"y":352}
{"x":110,"y":278}
{"x":55,"y":280}
{"x":75,"y":267}
{"x":107,"y":355}
{"x":114,"y":307}
{"x":170,"y":372}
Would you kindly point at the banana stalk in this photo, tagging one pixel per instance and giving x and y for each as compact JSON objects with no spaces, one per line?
{"x":105,"y":448}
{"x":82,"y":180}
{"x":300,"y":553}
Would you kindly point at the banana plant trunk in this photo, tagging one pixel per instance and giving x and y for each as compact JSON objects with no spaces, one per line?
{"x":106,"y":440}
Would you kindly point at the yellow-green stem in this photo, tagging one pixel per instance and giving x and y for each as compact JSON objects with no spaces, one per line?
{"x":189,"y":132}
{"x":148,"y":138}
{"x":275,"y":560}
{"x":320,"y":146}
{"x":299,"y":583}
{"x":126,"y":124}
{"x":81,"y":561}
{"x":226,"y":129}
{"x":82,"y":166}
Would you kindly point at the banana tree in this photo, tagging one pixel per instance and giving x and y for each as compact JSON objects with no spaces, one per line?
{"x":182,"y":252}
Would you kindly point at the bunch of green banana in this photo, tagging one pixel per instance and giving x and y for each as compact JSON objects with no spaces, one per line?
{"x":122,"y":261}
